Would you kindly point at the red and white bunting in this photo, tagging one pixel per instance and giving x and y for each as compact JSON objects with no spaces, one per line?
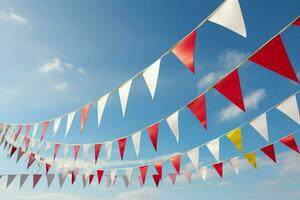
{"x":143,"y":172}
{"x":153,"y":134}
{"x":100,"y":107}
{"x":172,"y":121}
{"x":156,"y":179}
{"x":173,"y":177}
{"x":297,"y":22}
{"x":84,"y":114}
{"x":198,"y":108}
{"x":97,"y":148}
{"x":193,"y":155}
{"x":269,"y":151}
{"x":123,"y":93}
{"x":56,"y":125}
{"x":203,"y":172}
{"x":158,"y":166}
{"x":219,"y":168}
{"x":129,"y":173}
{"x":76,"y":150}
{"x":56,"y":148}
{"x":151,"y":76}
{"x":48,"y":166}
{"x":31,"y":159}
{"x":234,"y":162}
{"x":261,"y":126}
{"x":91,"y":178}
{"x":84,"y":179}
{"x":108,"y":149}
{"x":70,"y":118}
{"x":85,"y":149}
{"x":290,"y":108}
{"x":176,"y":163}
{"x":122,"y":144}
{"x":16,"y":135}
{"x":113,"y":175}
{"x":214,"y":147}
{"x":136,"y":140}
{"x":44,"y":130}
{"x":34,"y":130}
{"x":66,"y":150}
{"x":290,"y":142}
{"x":99,"y":175}
{"x":36,"y":178}
{"x":20,"y":154}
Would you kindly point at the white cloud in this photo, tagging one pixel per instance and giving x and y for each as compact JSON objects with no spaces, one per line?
{"x":53,"y":65}
{"x":60,"y":86}
{"x":13,"y":17}
{"x":81,"y":71}
{"x":251,"y":102}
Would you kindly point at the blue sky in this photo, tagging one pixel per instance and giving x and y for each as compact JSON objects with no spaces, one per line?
{"x":94,"y":46}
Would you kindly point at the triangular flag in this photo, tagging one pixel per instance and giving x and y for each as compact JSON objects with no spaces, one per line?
{"x":123,"y":93}
{"x":129,"y":172}
{"x":12,"y":151}
{"x":176,"y":162}
{"x":203,"y":172}
{"x":36,"y":178}
{"x":269,"y":151}
{"x":10,"y":179}
{"x":158,"y":167}
{"x":188,"y":176}
{"x":251,"y":158}
{"x":47,"y":147}
{"x":274,"y":57}
{"x":173,"y":177}
{"x":153,"y":134}
{"x":91,"y":177}
{"x":113,"y":175}
{"x":297,"y":22}
{"x":62,"y":178}
{"x":66,"y":150}
{"x":97,"y":148}
{"x":198,"y":108}
{"x":73,"y":175}
{"x":151,"y":75}
{"x":185,"y":51}
{"x":122,"y":144}
{"x":31,"y":159}
{"x":108,"y":148}
{"x":44,"y":130}
{"x":84,"y":114}
{"x":172,"y":121}
{"x":27,"y":129}
{"x":235,"y":136}
{"x":143,"y":171}
{"x":23,"y":178}
{"x":100,"y":107}
{"x":56,"y":125}
{"x":194,"y":157}
{"x":290,"y":142}
{"x":48,"y":166}
{"x":214,"y":146}
{"x":108,"y":181}
{"x":219,"y":168}
{"x":56,"y":148}
{"x":18,"y":132}
{"x":76,"y":150}
{"x":156,"y":179}
{"x":99,"y":175}
{"x":261,"y":126}
{"x":234,"y":162}
{"x":136,"y":140}
{"x":50,"y":178}
{"x":126,"y":181}
{"x":85,"y":148}
{"x":34,"y":130}
{"x":84,"y":180}
{"x":20,"y":154}
{"x":229,"y":15}
{"x":70,"y":118}
{"x":290,"y":108}
{"x":230,"y":87}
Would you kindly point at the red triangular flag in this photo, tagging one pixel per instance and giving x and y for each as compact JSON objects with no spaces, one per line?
{"x":297,"y":22}
{"x":18,"y":132}
{"x":48,"y":166}
{"x":176,"y":162}
{"x":198,"y":107}
{"x":27,"y":142}
{"x":122,"y":143}
{"x":290,"y":142}
{"x":158,"y":167}
{"x":12,"y":151}
{"x":31,"y":159}
{"x":36,"y":178}
{"x":44,"y":130}
{"x":274,"y":57}
{"x":230,"y":87}
{"x":84,"y":113}
{"x":173,"y":177}
{"x":156,"y":179}
{"x":76,"y":150}
{"x":27,"y":129}
{"x":20,"y":154}
{"x":143,"y":171}
{"x":153,"y":133}
{"x":97,"y":151}
{"x":219,"y":168}
{"x":99,"y":174}
{"x":269,"y":151}
{"x":185,"y":51}
{"x":73,"y":176}
{"x":56,"y":148}
{"x":91,"y":177}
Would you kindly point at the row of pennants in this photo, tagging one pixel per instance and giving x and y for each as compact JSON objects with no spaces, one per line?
{"x":289,"y":107}
{"x":272,"y":56}
{"x":88,"y":178}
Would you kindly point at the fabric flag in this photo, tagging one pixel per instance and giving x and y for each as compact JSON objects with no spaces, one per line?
{"x":47,"y":147}
{"x":235,"y":136}
{"x":12,"y":151}
{"x":274,"y":57}
{"x":261,"y":126}
{"x":123,"y":93}
{"x":44,"y":130}
{"x":143,"y":172}
{"x":188,"y":176}
{"x":34,"y":130}
{"x":172,"y":121}
{"x":234,"y":162}
{"x":97,"y":148}
{"x":176,"y":163}
{"x":76,"y":150}
{"x":66,"y":150}
{"x":108,"y":148}
{"x":122,"y":144}
{"x":84,"y":114}
{"x":151,"y":75}
{"x":129,"y":172}
{"x":194,"y":157}
{"x":269,"y":151}
{"x":85,"y":148}
{"x":18,"y":132}
{"x":156,"y":179}
{"x":126,"y":181}
{"x":48,"y":166}
{"x":214,"y":146}
{"x":70,"y":118}
{"x":31,"y":159}
{"x":173,"y":177}
{"x":56,"y":125}
{"x":99,"y":175}
{"x":230,"y":87}
{"x":251,"y":158}
{"x":10,"y":179}
{"x":290,"y":142}
{"x":36,"y":178}
{"x":27,"y":129}
{"x":297,"y":22}
{"x":74,"y":173}
{"x":198,"y":108}
{"x":84,"y":180}
{"x":153,"y":134}
{"x":50,"y":178}
{"x":158,"y":167}
{"x":229,"y":15}
{"x":219,"y":168}
{"x":91,"y":177}
{"x":108,"y":181}
{"x":100,"y":107}
{"x":113,"y":175}
{"x":20,"y":154}
{"x":185,"y":50}
{"x":203,"y":172}
{"x":62,"y":178}
{"x":56,"y":148}
{"x":290,"y":108}
{"x":23,"y":178}
{"x":27,"y":142}
{"x":136,"y":140}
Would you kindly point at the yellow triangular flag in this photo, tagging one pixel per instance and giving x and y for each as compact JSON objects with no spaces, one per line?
{"x":235,"y":137}
{"x":251,"y":158}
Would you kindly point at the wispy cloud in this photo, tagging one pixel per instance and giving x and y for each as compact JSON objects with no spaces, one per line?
{"x":60,"y":86}
{"x":12,"y":17}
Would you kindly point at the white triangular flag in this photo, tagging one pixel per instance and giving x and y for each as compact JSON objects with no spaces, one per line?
{"x":136,"y":140}
{"x":86,"y":148}
{"x":66,"y":150}
{"x":84,"y":180}
{"x":151,"y":75}
{"x":290,"y":108}
{"x":261,"y":126}
{"x":34,"y":130}
{"x":69,"y":121}
{"x":123,"y":93}
{"x":62,"y":178}
{"x":47,"y":147}
{"x":234,"y":162}
{"x":126,"y":181}
{"x":194,"y":157}
{"x":108,"y":181}
{"x":213,"y":147}
{"x":23,"y":178}
{"x":129,"y":172}
{"x":100,"y":107}
{"x":50,"y":178}
{"x":203,"y":172}
{"x":113,"y":175}
{"x":172,"y":121}
{"x":10,"y":179}
{"x":108,"y":148}
{"x":229,"y":15}
{"x":56,"y":125}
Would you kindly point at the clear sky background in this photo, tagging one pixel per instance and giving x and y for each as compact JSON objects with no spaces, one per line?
{"x":91,"y":47}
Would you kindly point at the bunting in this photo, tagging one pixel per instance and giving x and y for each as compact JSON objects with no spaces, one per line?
{"x":173,"y":177}
{"x":297,"y":22}
{"x":122,"y":143}
{"x":156,"y":179}
{"x":44,"y":130}
{"x":235,"y":137}
{"x":219,"y":168}
{"x":76,"y":150}
{"x":100,"y":107}
{"x":214,"y":146}
{"x":136,"y":140}
{"x":234,"y":164}
{"x":31,"y":159}
{"x":193,"y":155}
{"x":108,"y":148}
{"x":70,"y":118}
{"x":290,"y":142}
{"x":176,"y":163}
{"x":84,"y":113}
{"x":129,"y":173}
{"x":172,"y":121}
{"x":203,"y":172}
{"x":62,"y":178}
{"x":153,"y":134}
{"x":290,"y":108}
{"x":198,"y":108}
{"x":261,"y":126}
{"x":10,"y":179}
{"x":97,"y":148}
{"x":56,"y":125}
{"x":50,"y":178}
{"x":99,"y":175}
{"x":123,"y":93}
{"x":36,"y":179}
{"x":269,"y":151}
{"x":151,"y":76}
{"x":23,"y":178}
{"x":158,"y":167}
{"x":56,"y":148}
{"x":143,"y":172}
{"x":251,"y":158}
